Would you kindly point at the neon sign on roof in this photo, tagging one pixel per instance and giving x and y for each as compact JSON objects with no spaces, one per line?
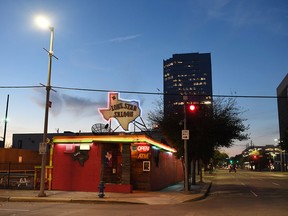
{"x":135,"y":139}
{"x":124,"y":111}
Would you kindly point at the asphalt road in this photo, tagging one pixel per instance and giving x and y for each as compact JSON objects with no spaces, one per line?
{"x":246,"y":193}
{"x":242,"y":193}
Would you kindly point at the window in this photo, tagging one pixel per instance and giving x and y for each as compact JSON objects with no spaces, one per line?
{"x":146,"y":166}
{"x":20,"y":144}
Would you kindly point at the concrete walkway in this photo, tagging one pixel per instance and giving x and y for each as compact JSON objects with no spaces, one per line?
{"x":171,"y":195}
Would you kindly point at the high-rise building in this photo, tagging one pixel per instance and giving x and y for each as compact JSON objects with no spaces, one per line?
{"x":282,"y":94}
{"x":186,"y":74}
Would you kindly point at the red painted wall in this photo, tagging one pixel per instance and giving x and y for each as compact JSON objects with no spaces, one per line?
{"x":168,"y":172}
{"x":68,"y":174}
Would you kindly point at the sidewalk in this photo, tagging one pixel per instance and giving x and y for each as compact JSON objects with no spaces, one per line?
{"x":171,"y":195}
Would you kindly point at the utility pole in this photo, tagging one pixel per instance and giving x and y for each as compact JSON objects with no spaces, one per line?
{"x":5,"y":125}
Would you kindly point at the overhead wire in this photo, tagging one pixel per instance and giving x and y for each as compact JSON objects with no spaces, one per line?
{"x":143,"y":92}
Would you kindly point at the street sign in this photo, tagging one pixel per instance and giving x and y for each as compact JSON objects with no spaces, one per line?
{"x":42,"y":148}
{"x":185,"y":134}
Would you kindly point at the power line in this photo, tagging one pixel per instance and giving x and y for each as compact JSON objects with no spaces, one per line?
{"x":143,"y":92}
{"x":19,"y":87}
{"x":103,"y":90}
{"x":162,"y":93}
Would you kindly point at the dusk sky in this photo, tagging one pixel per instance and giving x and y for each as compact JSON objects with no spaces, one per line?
{"x":121,"y":45}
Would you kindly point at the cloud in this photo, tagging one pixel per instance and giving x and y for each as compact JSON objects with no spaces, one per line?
{"x":213,"y":9}
{"x":122,"y":39}
{"x":63,"y":103}
{"x":80,"y":106}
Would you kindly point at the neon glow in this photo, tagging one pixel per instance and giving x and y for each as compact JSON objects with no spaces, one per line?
{"x":111,"y":138}
{"x":124,"y":111}
{"x":143,"y":148}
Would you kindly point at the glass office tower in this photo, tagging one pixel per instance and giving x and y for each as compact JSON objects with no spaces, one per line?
{"x":187,"y":74}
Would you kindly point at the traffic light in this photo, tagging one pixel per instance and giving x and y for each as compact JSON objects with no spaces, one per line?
{"x":192,"y":108}
{"x":255,"y":157}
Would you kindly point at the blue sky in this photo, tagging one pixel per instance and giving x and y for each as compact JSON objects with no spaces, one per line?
{"x":121,"y":45}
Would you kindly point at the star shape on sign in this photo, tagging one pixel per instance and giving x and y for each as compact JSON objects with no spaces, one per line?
{"x":124,"y":111}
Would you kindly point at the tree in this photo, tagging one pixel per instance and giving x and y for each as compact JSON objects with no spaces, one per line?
{"x":211,"y":127}
{"x":219,"y":158}
{"x":229,"y":126}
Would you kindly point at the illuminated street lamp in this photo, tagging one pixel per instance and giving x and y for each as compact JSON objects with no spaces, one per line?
{"x":44,"y":23}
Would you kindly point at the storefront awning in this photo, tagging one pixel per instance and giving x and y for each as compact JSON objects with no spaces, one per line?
{"x":127,"y":138}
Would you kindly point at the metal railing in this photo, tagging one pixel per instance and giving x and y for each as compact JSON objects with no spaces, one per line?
{"x":16,"y":176}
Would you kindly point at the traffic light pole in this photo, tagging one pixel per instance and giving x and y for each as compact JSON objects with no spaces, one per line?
{"x":186,"y":185}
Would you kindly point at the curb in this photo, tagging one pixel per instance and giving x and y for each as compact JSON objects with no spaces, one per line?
{"x":4,"y":199}
{"x":66,"y":200}
{"x":38,"y":199}
{"x":204,"y":192}
{"x":177,"y":197}
{"x":105,"y":201}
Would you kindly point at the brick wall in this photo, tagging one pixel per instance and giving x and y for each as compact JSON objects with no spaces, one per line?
{"x":166,"y":170}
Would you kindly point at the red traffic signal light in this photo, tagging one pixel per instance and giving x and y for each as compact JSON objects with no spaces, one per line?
{"x":192,"y":108}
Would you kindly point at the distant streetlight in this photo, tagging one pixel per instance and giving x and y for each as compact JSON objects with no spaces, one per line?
{"x":44,"y":23}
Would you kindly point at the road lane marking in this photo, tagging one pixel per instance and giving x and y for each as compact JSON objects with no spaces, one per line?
{"x":254,"y":193}
{"x":275,"y":184}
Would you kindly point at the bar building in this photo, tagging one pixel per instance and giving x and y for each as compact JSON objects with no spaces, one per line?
{"x":186,"y":74}
{"x":125,"y":162}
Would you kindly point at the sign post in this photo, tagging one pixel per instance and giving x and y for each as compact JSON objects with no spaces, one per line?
{"x":185,"y":134}
{"x":42,"y":148}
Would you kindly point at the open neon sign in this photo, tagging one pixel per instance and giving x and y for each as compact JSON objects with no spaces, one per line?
{"x":143,"y":148}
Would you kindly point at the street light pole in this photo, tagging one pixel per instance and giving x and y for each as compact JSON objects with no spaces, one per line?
{"x":47,"y":106}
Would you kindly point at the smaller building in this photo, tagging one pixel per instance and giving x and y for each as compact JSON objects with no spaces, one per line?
{"x":31,"y":141}
{"x":125,"y":162}
{"x":268,"y":157}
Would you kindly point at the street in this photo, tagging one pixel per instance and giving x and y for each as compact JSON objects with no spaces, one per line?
{"x":241,"y":193}
{"x":246,"y":193}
